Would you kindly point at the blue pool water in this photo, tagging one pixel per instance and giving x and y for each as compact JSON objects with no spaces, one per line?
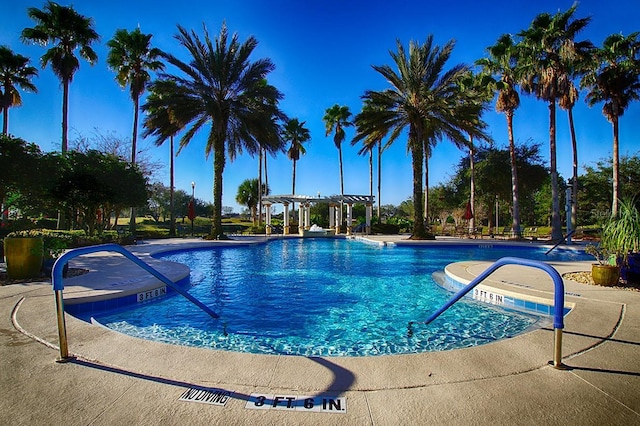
{"x":325,"y":297}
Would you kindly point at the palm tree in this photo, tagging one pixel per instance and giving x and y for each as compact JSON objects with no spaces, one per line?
{"x":132,"y":57}
{"x":247,"y":195}
{"x":220,"y":86}
{"x":68,"y":31}
{"x":423,"y":98}
{"x":295,"y":133}
{"x":336,"y":119}
{"x":159,"y":117}
{"x":371,"y":139}
{"x":476,"y":90}
{"x":546,"y":48}
{"x":615,"y":80}
{"x":502,"y":63}
{"x":567,"y":101}
{"x":15,"y":72}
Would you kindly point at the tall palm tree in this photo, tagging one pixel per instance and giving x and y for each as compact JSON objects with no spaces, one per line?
{"x":371,"y":139}
{"x":423,"y":98}
{"x":15,"y":72}
{"x":567,"y":101}
{"x":615,"y":81}
{"x":68,"y":31}
{"x":336,"y":118}
{"x":160,"y":117}
{"x":545,"y":49}
{"x":132,"y":57}
{"x":502,"y":65}
{"x":295,"y":133}
{"x":221,"y":86}
{"x":475,"y":89}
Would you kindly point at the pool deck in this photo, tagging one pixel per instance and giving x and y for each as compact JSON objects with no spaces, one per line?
{"x":116,"y":379}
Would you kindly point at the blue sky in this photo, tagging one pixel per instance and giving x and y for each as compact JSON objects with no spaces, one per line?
{"x":323,"y":52}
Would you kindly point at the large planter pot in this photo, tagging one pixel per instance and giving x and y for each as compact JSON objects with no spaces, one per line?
{"x":605,"y":275}
{"x":24,"y":257}
{"x":630,"y":271}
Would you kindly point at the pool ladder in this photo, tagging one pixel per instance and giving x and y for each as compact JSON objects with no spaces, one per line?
{"x":58,"y":286}
{"x":558,"y":305}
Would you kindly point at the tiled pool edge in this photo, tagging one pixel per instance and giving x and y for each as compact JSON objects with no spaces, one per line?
{"x":504,"y":298}
{"x":85,"y":310}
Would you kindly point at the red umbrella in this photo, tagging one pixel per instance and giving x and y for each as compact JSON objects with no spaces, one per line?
{"x":468,"y":213}
{"x":192,"y":211}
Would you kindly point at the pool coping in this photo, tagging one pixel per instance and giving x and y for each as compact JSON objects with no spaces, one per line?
{"x":76,"y":289}
{"x":599,"y":314}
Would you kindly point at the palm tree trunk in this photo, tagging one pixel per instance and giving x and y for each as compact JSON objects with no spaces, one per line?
{"x":371,"y":173}
{"x":172,"y":217}
{"x":574,"y":189}
{"x":515,"y":195}
{"x":62,"y":221}
{"x":341,"y":186}
{"x":426,"y":189}
{"x":556,"y":224}
{"x":341,"y":174}
{"x":472,"y":189}
{"x":134,"y":137}
{"x":218,"y":169}
{"x":5,"y":119}
{"x":616,"y":166}
{"x":293,"y":189}
{"x":65,"y":112}
{"x":134,"y":148}
{"x":259,"y":187}
{"x":379,"y":176}
{"x":266,"y":175}
{"x":418,"y":221}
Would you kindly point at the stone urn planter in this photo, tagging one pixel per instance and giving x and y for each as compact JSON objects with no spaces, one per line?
{"x":23,"y":256}
{"x":605,"y":275}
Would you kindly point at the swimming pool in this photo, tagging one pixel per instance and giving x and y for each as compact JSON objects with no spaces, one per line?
{"x":325,"y":297}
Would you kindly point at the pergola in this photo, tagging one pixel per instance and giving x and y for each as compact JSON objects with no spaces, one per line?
{"x":335,"y":212}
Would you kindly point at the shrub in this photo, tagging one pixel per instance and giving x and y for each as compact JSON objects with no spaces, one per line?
{"x":385,"y":228}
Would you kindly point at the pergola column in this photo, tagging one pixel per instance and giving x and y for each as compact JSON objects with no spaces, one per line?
{"x":332,"y":216}
{"x":338,"y":218}
{"x":267,"y":228}
{"x":285,"y":231}
{"x":307,"y":216}
{"x":349,"y":214}
{"x":301,"y":218}
{"x":368,"y":212}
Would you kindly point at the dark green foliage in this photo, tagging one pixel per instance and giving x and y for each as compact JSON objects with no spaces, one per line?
{"x":594,"y":195}
{"x":88,"y":182}
{"x":385,"y":228}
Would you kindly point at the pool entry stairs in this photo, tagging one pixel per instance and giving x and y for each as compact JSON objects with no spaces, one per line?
{"x":558,"y":320}
{"x":58,"y":286}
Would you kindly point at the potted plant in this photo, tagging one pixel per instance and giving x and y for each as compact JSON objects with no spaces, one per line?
{"x":23,"y":251}
{"x":606,"y":272}
{"x":624,"y":232}
{"x":619,"y":247}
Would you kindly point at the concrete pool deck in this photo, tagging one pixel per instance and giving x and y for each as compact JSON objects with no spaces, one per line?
{"x":117,"y":379}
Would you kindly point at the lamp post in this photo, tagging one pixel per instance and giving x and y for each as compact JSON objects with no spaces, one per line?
{"x":192,"y":215}
{"x":497,"y":226}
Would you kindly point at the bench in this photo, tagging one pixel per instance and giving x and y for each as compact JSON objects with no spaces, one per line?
{"x":531,"y":232}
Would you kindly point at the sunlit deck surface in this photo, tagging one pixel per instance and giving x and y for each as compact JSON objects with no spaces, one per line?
{"x":117,"y":379}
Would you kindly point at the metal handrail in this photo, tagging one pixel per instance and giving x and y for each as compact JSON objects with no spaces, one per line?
{"x":558,"y":319}
{"x":58,"y":286}
{"x":560,"y":242}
